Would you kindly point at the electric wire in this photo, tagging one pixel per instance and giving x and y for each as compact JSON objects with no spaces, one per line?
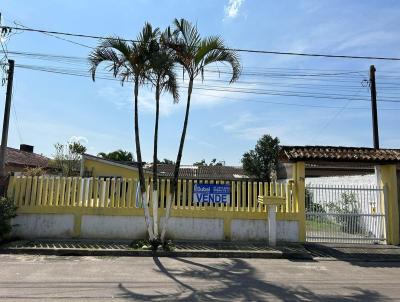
{"x":254,"y":51}
{"x":113,"y":79}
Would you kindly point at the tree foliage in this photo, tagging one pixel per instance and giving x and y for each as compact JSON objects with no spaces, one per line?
{"x":166,"y":161}
{"x":130,"y":60}
{"x":117,"y":155}
{"x":212,"y":163}
{"x":194,"y":54}
{"x":8,"y":210}
{"x":67,"y":157}
{"x":263,"y":160}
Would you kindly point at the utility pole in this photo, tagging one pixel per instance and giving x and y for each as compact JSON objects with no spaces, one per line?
{"x":6,"y":120}
{"x":374,"y":106}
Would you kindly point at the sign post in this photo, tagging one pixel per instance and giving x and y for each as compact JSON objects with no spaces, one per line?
{"x":272,"y":202}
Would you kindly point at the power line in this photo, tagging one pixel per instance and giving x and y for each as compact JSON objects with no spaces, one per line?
{"x":213,"y":87}
{"x":329,"y":121}
{"x":15,"y":117}
{"x":38,"y":68}
{"x":59,"y":38}
{"x":14,"y":113}
{"x":1,"y":42}
{"x":76,"y":60}
{"x":255,"y":51}
{"x":289,"y":104}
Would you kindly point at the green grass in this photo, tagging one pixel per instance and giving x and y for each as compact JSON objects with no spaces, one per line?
{"x":318,"y":225}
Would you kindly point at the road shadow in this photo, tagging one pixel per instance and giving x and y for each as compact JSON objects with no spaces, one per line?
{"x":235,"y":280}
{"x":359,"y":255}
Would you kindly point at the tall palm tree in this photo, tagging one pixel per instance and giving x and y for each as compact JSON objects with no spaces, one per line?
{"x":194,"y":53}
{"x":129,"y":61}
{"x":163,"y":78}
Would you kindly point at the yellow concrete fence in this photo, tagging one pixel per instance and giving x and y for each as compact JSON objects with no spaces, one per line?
{"x":122,"y":193}
{"x":119,"y":197}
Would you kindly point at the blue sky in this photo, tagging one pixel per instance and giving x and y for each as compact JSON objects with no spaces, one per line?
{"x":50,"y":108}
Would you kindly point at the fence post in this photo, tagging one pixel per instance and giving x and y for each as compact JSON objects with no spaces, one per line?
{"x":299,"y":178}
{"x":388,"y":179}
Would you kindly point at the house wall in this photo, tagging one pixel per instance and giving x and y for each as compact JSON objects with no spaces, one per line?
{"x":98,"y":168}
{"x":343,"y":180}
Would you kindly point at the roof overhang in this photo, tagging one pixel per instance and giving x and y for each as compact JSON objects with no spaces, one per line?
{"x":335,"y":154}
{"x":107,"y":162}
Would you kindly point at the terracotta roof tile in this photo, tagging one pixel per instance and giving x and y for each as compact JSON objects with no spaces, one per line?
{"x":335,"y":153}
{"x":15,"y":157}
{"x":202,"y":172}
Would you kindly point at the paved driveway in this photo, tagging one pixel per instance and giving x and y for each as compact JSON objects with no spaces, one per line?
{"x":54,"y":278}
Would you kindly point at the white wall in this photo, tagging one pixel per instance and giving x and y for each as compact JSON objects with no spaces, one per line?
{"x":133,"y":227}
{"x":113,"y":227}
{"x":43,"y":225}
{"x":358,"y":180}
{"x":195,"y":228}
{"x":250,"y":229}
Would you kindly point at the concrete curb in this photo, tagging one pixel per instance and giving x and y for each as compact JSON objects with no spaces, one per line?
{"x":273,"y":254}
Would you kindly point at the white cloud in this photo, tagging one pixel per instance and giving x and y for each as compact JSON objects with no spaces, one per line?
{"x":79,"y":139}
{"x":232,"y":9}
{"x":147,"y":103}
{"x":122,"y":99}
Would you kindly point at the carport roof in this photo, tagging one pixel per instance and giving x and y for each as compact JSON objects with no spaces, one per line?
{"x":338,"y":154}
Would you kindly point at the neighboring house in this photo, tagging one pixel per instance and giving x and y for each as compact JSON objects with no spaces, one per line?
{"x":18,"y":160}
{"x":99,"y":167}
{"x":321,"y":161}
{"x":201,"y":172}
{"x":94,"y":166}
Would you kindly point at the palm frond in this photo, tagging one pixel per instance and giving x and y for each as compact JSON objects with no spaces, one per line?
{"x":116,"y":43}
{"x":213,"y":50}
{"x":188,"y":31}
{"x":171,"y":85}
{"x":100,"y":55}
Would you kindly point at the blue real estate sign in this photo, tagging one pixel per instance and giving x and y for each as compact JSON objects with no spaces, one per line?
{"x":212,"y":193}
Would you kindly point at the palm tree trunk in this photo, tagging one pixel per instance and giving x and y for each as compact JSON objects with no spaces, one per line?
{"x":140,"y":165}
{"x":155,"y":160}
{"x":174,"y":184}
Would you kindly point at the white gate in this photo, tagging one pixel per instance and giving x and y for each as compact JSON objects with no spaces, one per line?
{"x":345,"y":214}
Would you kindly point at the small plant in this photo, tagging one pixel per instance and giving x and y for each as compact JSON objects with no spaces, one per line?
{"x":34,"y":171}
{"x":140,"y":245}
{"x":8,"y":210}
{"x":168,"y":246}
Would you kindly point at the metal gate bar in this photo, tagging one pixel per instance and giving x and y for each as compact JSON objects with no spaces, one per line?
{"x":345,"y":214}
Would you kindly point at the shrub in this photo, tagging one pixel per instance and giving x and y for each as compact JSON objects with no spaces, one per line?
{"x":36,"y":171}
{"x":311,"y":206}
{"x":349,"y":211}
{"x":8,"y":210}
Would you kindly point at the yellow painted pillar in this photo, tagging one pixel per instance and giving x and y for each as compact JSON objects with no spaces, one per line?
{"x":227,"y":226}
{"x":388,"y":179}
{"x":300,"y":197}
{"x":77,"y":225}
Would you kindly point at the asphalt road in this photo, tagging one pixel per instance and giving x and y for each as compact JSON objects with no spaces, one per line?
{"x":54,"y":278}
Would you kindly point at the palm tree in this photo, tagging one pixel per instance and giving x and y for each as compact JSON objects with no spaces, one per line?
{"x":118,"y":155}
{"x":129,"y":61}
{"x":163,"y":78}
{"x":194,"y":53}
